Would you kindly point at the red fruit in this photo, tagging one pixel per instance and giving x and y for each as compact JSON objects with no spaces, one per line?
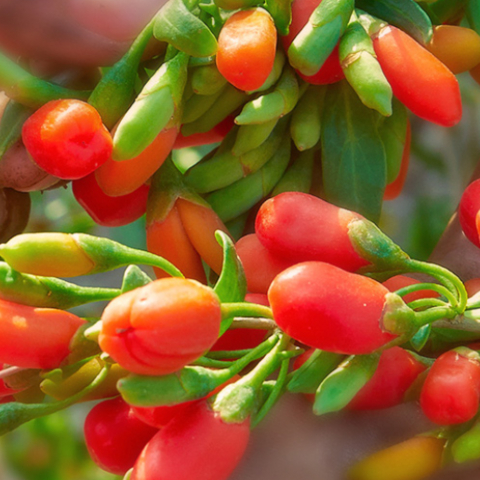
{"x":468,"y":212}
{"x":246,"y":48}
{"x":114,"y":436}
{"x":67,"y":139}
{"x":35,"y":337}
{"x":260,"y":265}
{"x":109,"y":211}
{"x":418,"y":79}
{"x":395,"y":373}
{"x":300,"y":227}
{"x":325,"y":307}
{"x":159,"y":328}
{"x":196,"y":445}
{"x":451,"y":392}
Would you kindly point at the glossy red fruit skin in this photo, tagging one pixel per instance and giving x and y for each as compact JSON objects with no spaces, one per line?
{"x":451,"y":392}
{"x":161,"y":327}
{"x":331,"y":71}
{"x":158,"y":417}
{"x":418,"y":79}
{"x":260,"y":265}
{"x":468,"y":212}
{"x":328,"y":308}
{"x":67,"y":139}
{"x":109,"y":211}
{"x":395,"y":373}
{"x":114,"y":436}
{"x":197,"y":445}
{"x":300,"y":227}
{"x":246,"y":48}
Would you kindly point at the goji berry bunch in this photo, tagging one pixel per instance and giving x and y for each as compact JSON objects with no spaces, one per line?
{"x":288,"y":93}
{"x":181,"y":366}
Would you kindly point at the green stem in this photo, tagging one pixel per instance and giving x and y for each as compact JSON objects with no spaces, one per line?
{"x":433,"y":314}
{"x":254,"y":354}
{"x":274,"y":396}
{"x":449,"y":279}
{"x":221,"y":354}
{"x":268,"y":365}
{"x":428,"y":286}
{"x":245,"y":309}
{"x":426,"y":303}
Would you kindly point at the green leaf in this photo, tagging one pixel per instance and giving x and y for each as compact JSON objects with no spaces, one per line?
{"x":404,"y":14}
{"x":419,"y":340}
{"x":133,"y":278}
{"x":341,"y":386}
{"x":178,"y":26}
{"x":231,"y":285}
{"x":353,"y":155}
{"x":393,"y":131}
{"x":309,"y":376}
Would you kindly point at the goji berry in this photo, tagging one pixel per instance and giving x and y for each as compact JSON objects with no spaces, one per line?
{"x":67,"y":139}
{"x":159,"y":328}
{"x":328,"y":308}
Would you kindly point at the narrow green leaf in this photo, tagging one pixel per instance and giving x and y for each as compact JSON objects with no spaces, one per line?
{"x":420,"y":339}
{"x":133,"y":278}
{"x":341,"y":386}
{"x":353,"y":155}
{"x":309,"y":376}
{"x":231,"y":285}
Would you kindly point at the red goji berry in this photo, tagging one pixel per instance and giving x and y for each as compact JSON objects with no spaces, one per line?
{"x":114,"y":436}
{"x":67,"y":139}
{"x":246,"y":48}
{"x":35,"y":337}
{"x":159,"y":328}
{"x":451,"y":392}
{"x":395,"y":373}
{"x":328,"y":308}
{"x":300,"y":227}
{"x":260,"y":265}
{"x":418,"y":79}
{"x":109,"y":211}
{"x":183,"y":449}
